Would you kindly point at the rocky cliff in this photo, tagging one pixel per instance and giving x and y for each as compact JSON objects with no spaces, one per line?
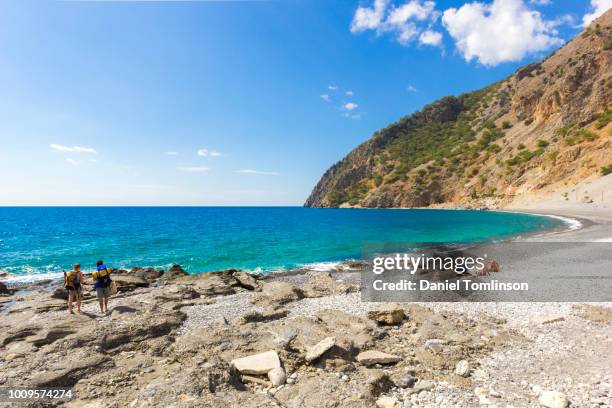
{"x":544,"y":128}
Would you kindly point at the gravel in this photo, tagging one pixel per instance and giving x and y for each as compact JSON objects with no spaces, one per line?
{"x":556,"y":356}
{"x":224,"y":310}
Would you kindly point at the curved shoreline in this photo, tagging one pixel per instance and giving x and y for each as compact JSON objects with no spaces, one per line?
{"x":572,"y":224}
{"x":596,"y":224}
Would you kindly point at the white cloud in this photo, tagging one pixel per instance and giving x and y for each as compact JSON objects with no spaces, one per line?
{"x":72,"y":149}
{"x":349,"y":93}
{"x":350,"y":106}
{"x":599,"y":7}
{"x":411,"y":88}
{"x":332,"y":87}
{"x":208,"y":153}
{"x":72,"y":162}
{"x":400,"y":21}
{"x":540,"y":2}
{"x":325,"y":97}
{"x":414,"y":9}
{"x":505,"y":30}
{"x":430,"y":37}
{"x":366,"y":18}
{"x":406,"y":33}
{"x":172,"y":153}
{"x":257,"y":172}
{"x":195,"y":169}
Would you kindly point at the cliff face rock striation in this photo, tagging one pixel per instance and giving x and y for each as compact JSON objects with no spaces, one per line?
{"x":544,"y":128}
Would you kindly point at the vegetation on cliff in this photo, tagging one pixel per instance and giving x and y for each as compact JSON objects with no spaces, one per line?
{"x":546,"y":124}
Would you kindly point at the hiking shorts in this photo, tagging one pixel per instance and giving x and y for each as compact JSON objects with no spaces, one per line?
{"x":74,"y":291}
{"x":102,"y":292}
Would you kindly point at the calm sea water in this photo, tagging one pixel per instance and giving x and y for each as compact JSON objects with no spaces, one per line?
{"x":39,"y":242}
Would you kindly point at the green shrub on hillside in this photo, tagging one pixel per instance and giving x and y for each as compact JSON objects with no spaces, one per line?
{"x":523,"y":157}
{"x":488,"y":136}
{"x":563,"y":131}
{"x":336,"y":197}
{"x":506,"y":125}
{"x":494,"y":148}
{"x":482,"y":180}
{"x":582,"y":135}
{"x":542,"y":143}
{"x":605,"y":170}
{"x":603,"y":118}
{"x":528,"y":121}
{"x":378,"y":180}
{"x":591,"y":31}
{"x":393,"y":177}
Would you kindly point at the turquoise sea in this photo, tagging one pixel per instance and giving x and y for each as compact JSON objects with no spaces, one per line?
{"x":37,"y":243}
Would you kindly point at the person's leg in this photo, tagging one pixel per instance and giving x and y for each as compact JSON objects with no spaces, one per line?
{"x":79,"y":296}
{"x":106,"y":304}
{"x":69,"y":301}
{"x":100,"y":296}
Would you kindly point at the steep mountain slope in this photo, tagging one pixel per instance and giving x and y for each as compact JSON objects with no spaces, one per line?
{"x":545,"y":127}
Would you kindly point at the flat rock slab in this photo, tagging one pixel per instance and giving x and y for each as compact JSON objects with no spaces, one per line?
{"x":320,"y":348}
{"x":257,"y":364}
{"x":372,"y":357}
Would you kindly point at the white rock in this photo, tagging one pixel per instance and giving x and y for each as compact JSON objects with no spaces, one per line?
{"x":434,"y":345}
{"x":277,"y":376}
{"x":462,"y":368}
{"x":387,"y":402}
{"x":372,"y":357}
{"x":257,"y":364}
{"x":320,"y":348}
{"x":423,"y":385}
{"x":553,"y":399}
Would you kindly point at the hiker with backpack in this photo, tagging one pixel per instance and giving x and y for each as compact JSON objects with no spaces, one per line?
{"x":72,"y":282}
{"x":102,"y":283}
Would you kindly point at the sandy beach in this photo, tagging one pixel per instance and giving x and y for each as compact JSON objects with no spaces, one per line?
{"x":172,"y":339}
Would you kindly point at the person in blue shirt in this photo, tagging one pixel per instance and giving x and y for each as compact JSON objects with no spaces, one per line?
{"x":102,"y":282}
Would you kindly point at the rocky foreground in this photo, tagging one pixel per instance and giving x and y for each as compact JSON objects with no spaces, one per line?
{"x":228,"y":339}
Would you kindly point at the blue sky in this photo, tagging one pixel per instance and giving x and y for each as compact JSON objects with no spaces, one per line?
{"x":235,"y":103}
